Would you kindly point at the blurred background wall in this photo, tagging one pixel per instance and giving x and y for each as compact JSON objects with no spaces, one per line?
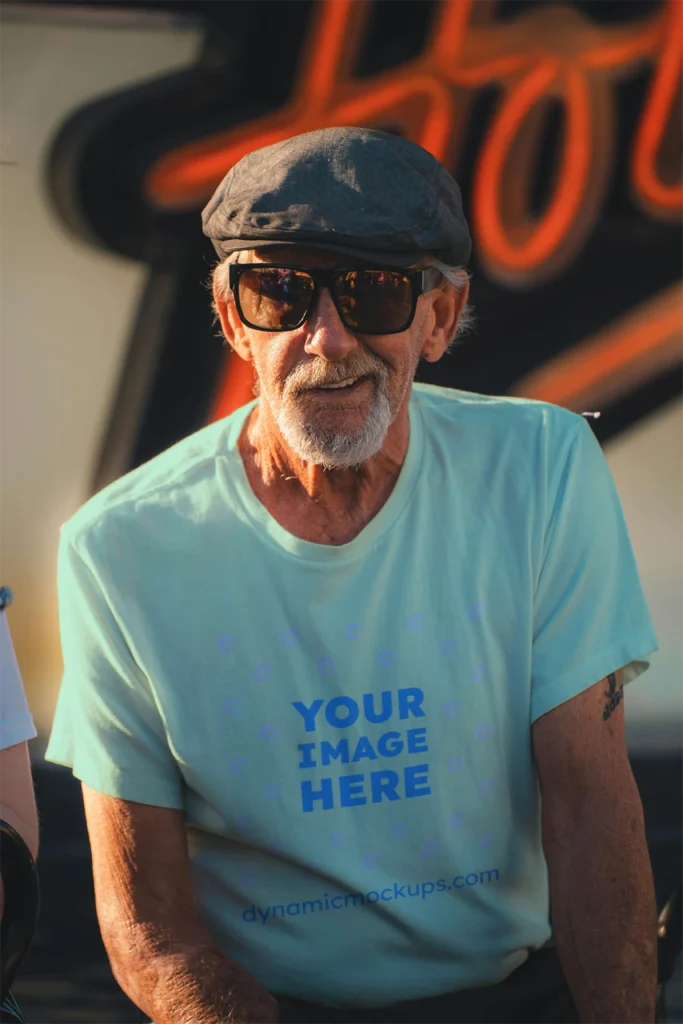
{"x":71,"y":308}
{"x":66,"y":308}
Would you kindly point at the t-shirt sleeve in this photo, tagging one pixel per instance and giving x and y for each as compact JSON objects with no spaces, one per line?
{"x":16,"y":721}
{"x":107,"y":726}
{"x":590,"y":613}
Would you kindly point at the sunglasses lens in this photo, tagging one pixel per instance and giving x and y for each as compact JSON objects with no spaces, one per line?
{"x":375,"y":301}
{"x":274,"y":298}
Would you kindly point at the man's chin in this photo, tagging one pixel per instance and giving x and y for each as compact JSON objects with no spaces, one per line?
{"x":318,"y":436}
{"x":334,"y":461}
{"x":332,"y":449}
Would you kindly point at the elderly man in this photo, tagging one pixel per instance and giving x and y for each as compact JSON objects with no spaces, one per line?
{"x":343,"y":672}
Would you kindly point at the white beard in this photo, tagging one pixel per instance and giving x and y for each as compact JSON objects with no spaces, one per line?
{"x":321,"y":446}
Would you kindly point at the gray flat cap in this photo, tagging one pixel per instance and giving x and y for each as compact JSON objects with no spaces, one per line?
{"x":364,"y":193}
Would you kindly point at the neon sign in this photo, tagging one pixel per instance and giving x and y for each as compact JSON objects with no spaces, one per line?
{"x":549,"y":53}
{"x":121,"y":178}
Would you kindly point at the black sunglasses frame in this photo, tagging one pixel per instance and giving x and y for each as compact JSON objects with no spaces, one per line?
{"x":325,"y":278}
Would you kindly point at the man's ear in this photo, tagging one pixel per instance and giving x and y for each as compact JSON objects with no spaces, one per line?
{"x":232,"y":326}
{"x":447,"y":306}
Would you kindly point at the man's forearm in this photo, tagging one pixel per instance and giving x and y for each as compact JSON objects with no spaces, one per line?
{"x":604,"y":913}
{"x":195,"y":985}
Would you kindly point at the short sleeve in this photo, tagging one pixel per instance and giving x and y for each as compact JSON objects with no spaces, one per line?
{"x":16,"y":721}
{"x":107,"y":727}
{"x":590,"y":613}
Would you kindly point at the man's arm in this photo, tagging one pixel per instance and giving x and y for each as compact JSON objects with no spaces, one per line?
{"x":160,"y":952}
{"x":601,"y":887}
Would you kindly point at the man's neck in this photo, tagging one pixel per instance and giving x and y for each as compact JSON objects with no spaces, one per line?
{"x":282,"y":477}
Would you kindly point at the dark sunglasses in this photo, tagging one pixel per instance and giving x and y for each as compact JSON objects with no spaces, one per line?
{"x":273,"y":297}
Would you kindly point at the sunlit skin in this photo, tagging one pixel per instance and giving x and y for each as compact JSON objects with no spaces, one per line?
{"x":334,"y":504}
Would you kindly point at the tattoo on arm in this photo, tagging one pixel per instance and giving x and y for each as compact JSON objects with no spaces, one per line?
{"x":614,"y":695}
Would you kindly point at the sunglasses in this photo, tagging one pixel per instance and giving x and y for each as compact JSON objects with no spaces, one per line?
{"x":272,"y":297}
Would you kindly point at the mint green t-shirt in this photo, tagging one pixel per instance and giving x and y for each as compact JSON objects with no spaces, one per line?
{"x":347,"y":729}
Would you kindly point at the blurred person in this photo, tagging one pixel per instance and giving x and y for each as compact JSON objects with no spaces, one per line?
{"x":18,"y":811}
{"x":344,"y":671}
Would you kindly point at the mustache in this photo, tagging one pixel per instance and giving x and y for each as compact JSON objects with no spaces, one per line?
{"x":305,"y":379}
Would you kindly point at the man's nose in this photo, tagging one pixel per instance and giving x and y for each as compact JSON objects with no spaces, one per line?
{"x":327,"y":336}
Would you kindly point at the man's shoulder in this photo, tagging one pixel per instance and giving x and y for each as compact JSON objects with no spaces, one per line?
{"x":162,"y":481}
{"x":492,"y":413}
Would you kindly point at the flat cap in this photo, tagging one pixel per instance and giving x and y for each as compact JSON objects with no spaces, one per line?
{"x":365,"y":193}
